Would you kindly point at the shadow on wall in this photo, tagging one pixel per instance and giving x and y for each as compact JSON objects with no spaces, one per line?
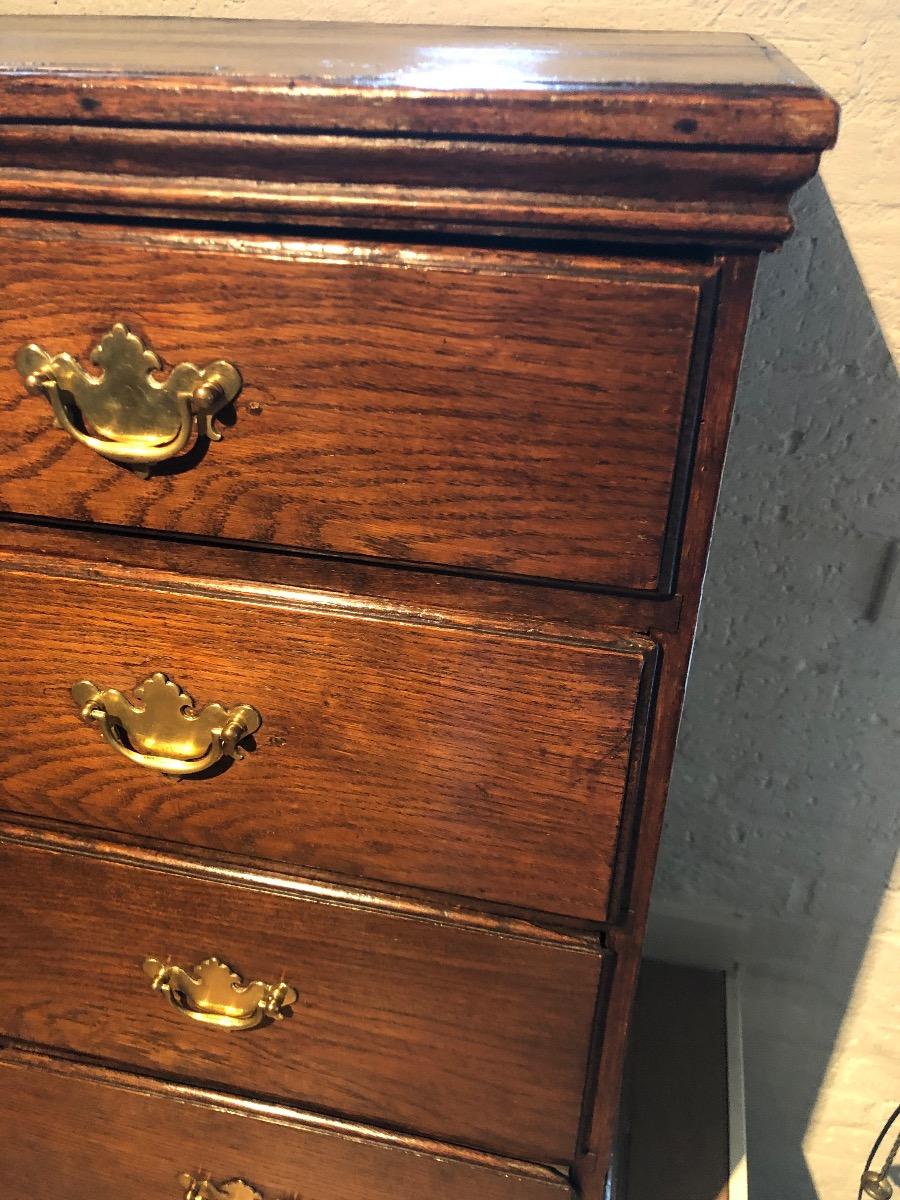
{"x":783,"y":821}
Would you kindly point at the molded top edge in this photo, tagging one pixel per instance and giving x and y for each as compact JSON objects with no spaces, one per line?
{"x":586,"y":84}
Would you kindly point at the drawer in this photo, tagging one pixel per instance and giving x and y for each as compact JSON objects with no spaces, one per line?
{"x":489,"y":411}
{"x":99,"y":1135}
{"x":481,"y":764}
{"x":451,"y":1031}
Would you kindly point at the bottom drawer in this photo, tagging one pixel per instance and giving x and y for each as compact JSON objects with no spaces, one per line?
{"x":86,"y":1134}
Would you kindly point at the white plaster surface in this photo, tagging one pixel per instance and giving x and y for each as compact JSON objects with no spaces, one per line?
{"x":783,"y":820}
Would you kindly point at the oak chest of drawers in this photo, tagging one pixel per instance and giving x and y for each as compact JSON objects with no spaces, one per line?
{"x":363,"y":398}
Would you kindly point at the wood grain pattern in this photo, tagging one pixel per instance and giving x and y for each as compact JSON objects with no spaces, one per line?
{"x":382,"y":389}
{"x":281,"y":879}
{"x":459,"y":1034}
{"x":658,"y":87}
{"x":463,"y":761}
{"x":752,"y":218}
{"x":597,"y":1136}
{"x":443,"y":598}
{"x":93,"y":1134}
{"x":626,"y":191}
{"x":525,"y":133}
{"x":448,"y":449}
{"x":223,"y":158}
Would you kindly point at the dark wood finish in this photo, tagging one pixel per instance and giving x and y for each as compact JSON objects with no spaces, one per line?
{"x":83,"y":551}
{"x":623,"y":86}
{"x":758,"y":219}
{"x":731,"y":324}
{"x":568,"y":171}
{"x":482,"y":553}
{"x":647,"y":136}
{"x":678,"y":1048}
{"x":728,"y":196}
{"x":382,"y":386}
{"x":459,"y":1034}
{"x":386,"y":746}
{"x":95,"y":1134}
{"x":281,"y":879}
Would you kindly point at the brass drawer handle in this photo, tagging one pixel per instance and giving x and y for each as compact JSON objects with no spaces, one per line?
{"x":163,"y":730}
{"x":125,"y":414}
{"x":213,"y":994}
{"x":198,"y":1187}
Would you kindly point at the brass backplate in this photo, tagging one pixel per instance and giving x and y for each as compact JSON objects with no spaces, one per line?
{"x":125,"y":413}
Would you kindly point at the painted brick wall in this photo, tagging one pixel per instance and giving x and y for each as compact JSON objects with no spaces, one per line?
{"x":783,"y":820}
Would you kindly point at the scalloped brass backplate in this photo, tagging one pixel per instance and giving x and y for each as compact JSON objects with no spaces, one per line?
{"x":162,"y":729}
{"x":200,"y":1188}
{"x":125,"y":414}
{"x":213,"y":994}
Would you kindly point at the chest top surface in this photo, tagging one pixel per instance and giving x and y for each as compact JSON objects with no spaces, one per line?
{"x":611,"y":85}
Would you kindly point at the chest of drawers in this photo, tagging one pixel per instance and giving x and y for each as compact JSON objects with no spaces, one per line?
{"x":363,"y":398}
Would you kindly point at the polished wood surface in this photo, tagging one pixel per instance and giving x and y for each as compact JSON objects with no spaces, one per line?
{"x":382,"y":388}
{"x":459,"y":1034}
{"x":386,"y":746}
{"x":569,"y":171}
{"x":282,"y":880}
{"x":723,"y":200}
{"x":81,"y":550}
{"x":346,"y":54}
{"x":648,"y":137}
{"x":93,"y":1134}
{"x":452,"y":546}
{"x":667,"y":138}
{"x":672,"y":87}
{"x":725,"y":358}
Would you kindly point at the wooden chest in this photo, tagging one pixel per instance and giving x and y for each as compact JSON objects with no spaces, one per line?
{"x":363,"y":398}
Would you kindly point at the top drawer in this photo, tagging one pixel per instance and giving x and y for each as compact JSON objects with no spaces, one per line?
{"x":498,"y":411}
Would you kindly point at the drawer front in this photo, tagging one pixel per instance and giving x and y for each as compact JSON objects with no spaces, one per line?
{"x":479,"y":764}
{"x":487,"y":411}
{"x":90,"y":1136}
{"x":456,"y":1033}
